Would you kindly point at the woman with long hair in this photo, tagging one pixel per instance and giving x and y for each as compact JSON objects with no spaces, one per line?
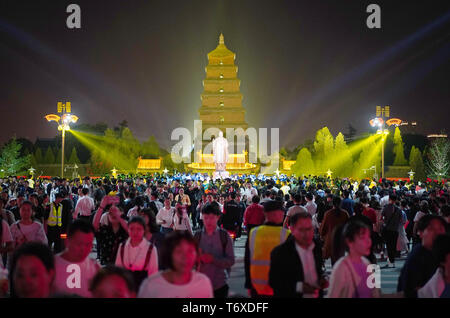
{"x":349,"y":276}
{"x":181,"y":220}
{"x":180,"y":280}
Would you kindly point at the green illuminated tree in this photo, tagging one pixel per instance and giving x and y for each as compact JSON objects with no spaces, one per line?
{"x":416,"y":163}
{"x":398,"y":149}
{"x":10,"y":160}
{"x":49,"y":157}
{"x":304,"y":164}
{"x":74,"y":157}
{"x":150,"y":148}
{"x":370,"y":156}
{"x":38,"y":156}
{"x":343,"y":161}
{"x":324,"y":150}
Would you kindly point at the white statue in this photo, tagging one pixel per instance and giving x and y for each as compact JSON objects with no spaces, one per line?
{"x":220,"y":153}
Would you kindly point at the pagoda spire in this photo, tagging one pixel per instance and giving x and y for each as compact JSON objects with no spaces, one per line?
{"x":221,"y":39}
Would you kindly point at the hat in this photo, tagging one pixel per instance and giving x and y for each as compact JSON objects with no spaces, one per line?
{"x":272,"y":205}
{"x":12,"y":199}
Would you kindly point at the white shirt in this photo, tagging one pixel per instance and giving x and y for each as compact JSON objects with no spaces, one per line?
{"x":185,"y":223}
{"x":133,"y":212}
{"x":68,"y":280}
{"x":32,"y":233}
{"x":134,"y":257}
{"x":311,"y":207}
{"x":309,"y":269}
{"x":384,"y":201}
{"x":165,"y":215}
{"x":249,"y":193}
{"x":84,"y":206}
{"x":157,"y":286}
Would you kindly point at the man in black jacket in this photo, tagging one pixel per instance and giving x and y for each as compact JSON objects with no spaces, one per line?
{"x":296,"y":265}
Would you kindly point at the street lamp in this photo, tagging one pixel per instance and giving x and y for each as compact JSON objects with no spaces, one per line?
{"x":379,"y":122}
{"x":329,"y":173}
{"x":63,"y":125}
{"x":411,"y":174}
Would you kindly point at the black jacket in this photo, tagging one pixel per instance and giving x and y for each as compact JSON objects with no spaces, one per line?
{"x":286,"y":269}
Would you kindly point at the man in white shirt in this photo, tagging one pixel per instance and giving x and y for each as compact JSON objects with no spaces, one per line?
{"x":165,"y":217}
{"x":85,"y":205}
{"x":310,"y":206}
{"x":74,"y":269}
{"x":296,"y":265}
{"x":250,"y":192}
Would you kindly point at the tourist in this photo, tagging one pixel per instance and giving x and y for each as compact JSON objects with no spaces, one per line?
{"x":420,"y":265}
{"x":296,"y":265}
{"x":392,"y":218}
{"x":349,"y":275}
{"x":332,"y":219}
{"x":137,"y":254}
{"x":113,"y":282}
{"x":6,"y":242}
{"x":112,"y":232}
{"x":32,"y":271}
{"x":216,"y":251}
{"x":74,"y":264}
{"x":254,"y":214}
{"x":180,"y":254}
{"x":165,"y":217}
{"x":27,"y":230}
{"x":296,"y":208}
{"x":85,"y":206}
{"x":181,"y":220}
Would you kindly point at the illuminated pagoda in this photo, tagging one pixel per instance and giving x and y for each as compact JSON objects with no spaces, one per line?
{"x":222,"y":106}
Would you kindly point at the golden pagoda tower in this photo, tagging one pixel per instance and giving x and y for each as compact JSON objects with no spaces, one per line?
{"x":221,"y":97}
{"x":222,"y":103}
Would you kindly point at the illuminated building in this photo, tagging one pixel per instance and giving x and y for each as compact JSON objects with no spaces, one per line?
{"x":222,"y":107}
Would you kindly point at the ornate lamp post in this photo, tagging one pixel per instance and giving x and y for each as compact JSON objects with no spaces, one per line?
{"x":63,"y":122}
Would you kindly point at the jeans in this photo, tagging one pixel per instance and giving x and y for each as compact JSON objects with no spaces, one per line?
{"x":165,"y":230}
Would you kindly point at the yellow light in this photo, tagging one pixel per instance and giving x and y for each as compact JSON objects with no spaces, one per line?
{"x":51,"y":117}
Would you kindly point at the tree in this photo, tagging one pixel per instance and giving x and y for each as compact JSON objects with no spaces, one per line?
{"x":11,"y":161}
{"x":49,"y":156}
{"x":38,"y":156}
{"x":398,"y":149}
{"x":304,"y":164}
{"x":438,"y":158}
{"x":343,"y":161}
{"x":324,"y":148}
{"x":416,"y":163}
{"x":74,"y":157}
{"x":370,"y":156}
{"x":150,"y":148}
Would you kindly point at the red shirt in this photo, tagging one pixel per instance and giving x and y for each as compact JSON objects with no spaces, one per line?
{"x":254,"y":214}
{"x":371,"y":214}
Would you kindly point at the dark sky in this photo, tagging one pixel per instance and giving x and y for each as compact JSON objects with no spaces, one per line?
{"x":302,"y":64}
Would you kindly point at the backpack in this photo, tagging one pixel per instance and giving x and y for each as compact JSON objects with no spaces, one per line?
{"x":223,"y":239}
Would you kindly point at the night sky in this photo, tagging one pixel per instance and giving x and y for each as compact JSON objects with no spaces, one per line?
{"x":302,"y":64}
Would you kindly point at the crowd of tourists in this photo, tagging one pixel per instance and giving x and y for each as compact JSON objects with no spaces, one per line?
{"x":173,"y":235}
